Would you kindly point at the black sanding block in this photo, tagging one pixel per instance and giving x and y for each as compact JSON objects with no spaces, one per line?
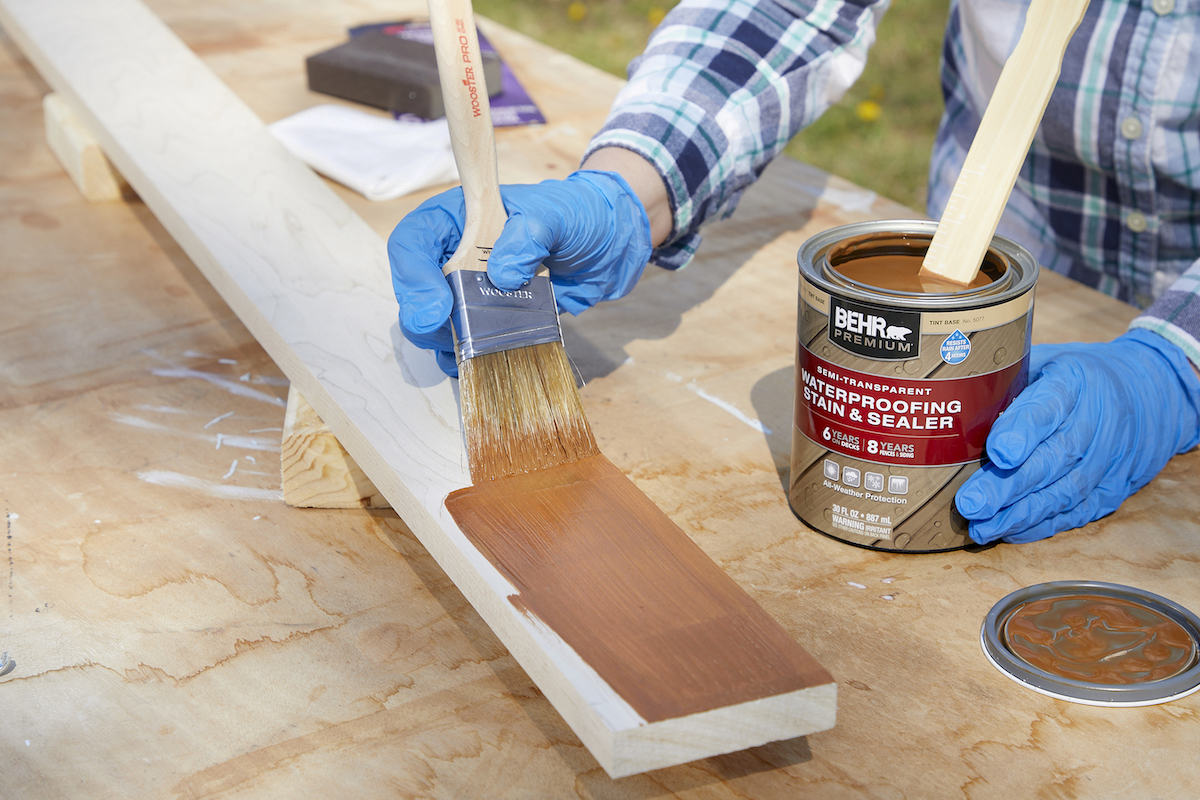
{"x":385,"y":71}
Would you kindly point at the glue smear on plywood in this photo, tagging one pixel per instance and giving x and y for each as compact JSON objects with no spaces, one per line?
{"x":637,"y":599}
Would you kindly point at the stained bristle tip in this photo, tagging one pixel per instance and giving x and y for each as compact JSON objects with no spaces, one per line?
{"x":521,"y":412}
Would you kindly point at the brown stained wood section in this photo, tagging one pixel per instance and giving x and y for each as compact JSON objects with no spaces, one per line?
{"x":640,"y":602}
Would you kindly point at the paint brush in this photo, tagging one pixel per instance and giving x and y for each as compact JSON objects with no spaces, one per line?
{"x":998,"y":150}
{"x":675,"y":655}
{"x":520,"y":407}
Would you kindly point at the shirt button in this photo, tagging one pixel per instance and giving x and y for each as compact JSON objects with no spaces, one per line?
{"x":1136,"y":221}
{"x":1131,"y":127}
{"x":1163,"y":7}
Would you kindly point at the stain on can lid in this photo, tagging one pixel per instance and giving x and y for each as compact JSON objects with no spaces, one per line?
{"x":1095,"y":643}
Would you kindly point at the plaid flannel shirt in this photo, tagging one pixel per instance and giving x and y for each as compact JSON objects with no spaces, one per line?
{"x":1110,"y":192}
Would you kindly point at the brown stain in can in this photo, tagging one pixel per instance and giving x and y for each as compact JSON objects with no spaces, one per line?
{"x":591,"y":557}
{"x":1102,"y":640}
{"x":900,"y":273}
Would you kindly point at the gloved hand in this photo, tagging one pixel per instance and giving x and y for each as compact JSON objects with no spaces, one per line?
{"x":590,"y":230}
{"x":1096,"y":423}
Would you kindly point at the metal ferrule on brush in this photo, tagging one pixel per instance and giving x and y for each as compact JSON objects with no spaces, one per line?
{"x":489,"y":320}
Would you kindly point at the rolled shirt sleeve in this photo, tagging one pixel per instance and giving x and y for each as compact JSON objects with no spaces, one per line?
{"x":1175,"y":315}
{"x":720,"y":90}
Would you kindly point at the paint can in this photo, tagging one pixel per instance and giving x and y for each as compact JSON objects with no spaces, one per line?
{"x":898,"y":383}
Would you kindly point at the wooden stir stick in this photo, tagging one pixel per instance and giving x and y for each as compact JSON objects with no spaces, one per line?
{"x":1001,"y":143}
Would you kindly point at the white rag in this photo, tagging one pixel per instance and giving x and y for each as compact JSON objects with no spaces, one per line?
{"x":378,"y":157}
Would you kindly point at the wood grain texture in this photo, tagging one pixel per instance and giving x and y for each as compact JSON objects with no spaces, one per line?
{"x":592,"y":557}
{"x":180,"y":648}
{"x":316,"y":471}
{"x":80,"y":154}
{"x":310,"y":280}
{"x":1000,"y":145}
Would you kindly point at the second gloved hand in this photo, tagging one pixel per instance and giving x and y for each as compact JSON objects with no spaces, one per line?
{"x":590,"y":230}
{"x":1096,"y":423}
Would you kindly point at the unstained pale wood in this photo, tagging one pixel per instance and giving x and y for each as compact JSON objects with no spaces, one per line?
{"x":316,"y":470}
{"x":80,"y":154}
{"x":1000,"y":145}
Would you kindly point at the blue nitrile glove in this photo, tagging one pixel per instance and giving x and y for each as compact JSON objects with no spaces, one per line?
{"x":1096,"y":423}
{"x":590,"y":230}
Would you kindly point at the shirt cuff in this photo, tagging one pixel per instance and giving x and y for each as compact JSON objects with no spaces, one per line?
{"x":1175,"y":315}
{"x":680,"y":246}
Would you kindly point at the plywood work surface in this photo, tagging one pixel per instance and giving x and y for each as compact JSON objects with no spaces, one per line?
{"x":176,"y":630}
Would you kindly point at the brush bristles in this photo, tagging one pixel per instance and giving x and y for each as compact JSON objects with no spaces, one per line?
{"x":521,"y":412}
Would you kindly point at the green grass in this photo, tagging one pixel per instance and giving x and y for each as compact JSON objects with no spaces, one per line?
{"x":888,"y":154}
{"x":603,"y":33}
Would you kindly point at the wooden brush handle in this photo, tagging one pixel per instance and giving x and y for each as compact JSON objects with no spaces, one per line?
{"x":1002,"y":142}
{"x":460,"y":71}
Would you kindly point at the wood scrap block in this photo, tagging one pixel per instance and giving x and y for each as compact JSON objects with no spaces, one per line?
{"x":80,"y":154}
{"x":310,"y":280}
{"x":317,"y":472}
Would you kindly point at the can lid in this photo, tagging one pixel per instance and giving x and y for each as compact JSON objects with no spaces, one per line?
{"x":1095,"y":643}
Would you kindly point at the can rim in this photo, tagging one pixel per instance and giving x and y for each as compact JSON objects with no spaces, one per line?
{"x":1085,"y":692}
{"x":816,"y":247}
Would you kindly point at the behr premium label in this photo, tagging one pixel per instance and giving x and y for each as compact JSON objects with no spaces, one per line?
{"x":886,"y":334}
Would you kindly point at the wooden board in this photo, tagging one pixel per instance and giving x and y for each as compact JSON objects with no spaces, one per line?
{"x":310,"y":281}
{"x":197,"y":638}
{"x":594,"y":559}
{"x":316,"y":471}
{"x":80,"y":154}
